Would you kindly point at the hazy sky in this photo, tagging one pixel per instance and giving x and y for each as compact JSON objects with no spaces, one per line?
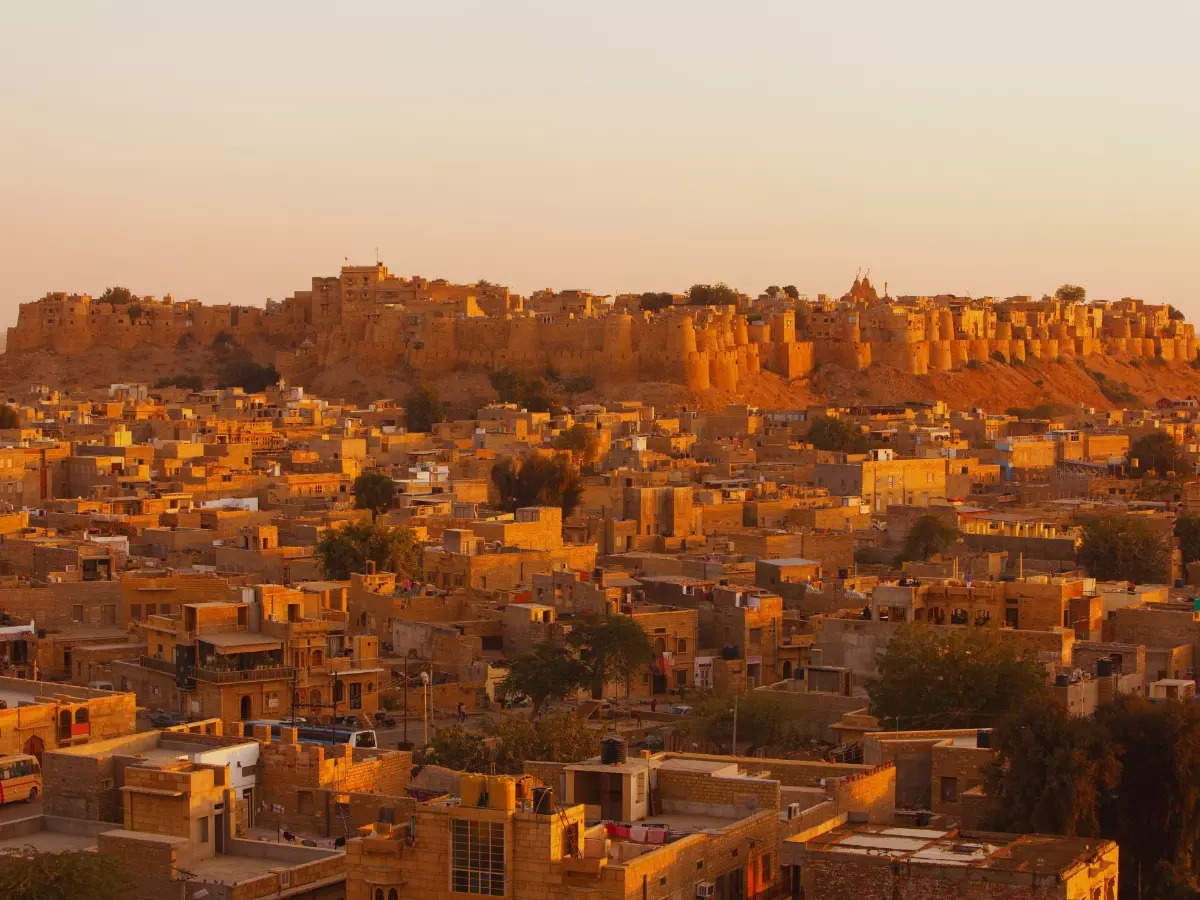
{"x":230,"y":151}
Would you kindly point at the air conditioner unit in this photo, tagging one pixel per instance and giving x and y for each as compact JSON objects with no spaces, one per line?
{"x":793,"y":810}
{"x":706,"y":889}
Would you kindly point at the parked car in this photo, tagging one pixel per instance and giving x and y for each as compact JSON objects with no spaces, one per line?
{"x":385,"y":720}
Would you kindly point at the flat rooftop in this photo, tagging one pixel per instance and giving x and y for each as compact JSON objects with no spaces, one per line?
{"x":1039,"y":854}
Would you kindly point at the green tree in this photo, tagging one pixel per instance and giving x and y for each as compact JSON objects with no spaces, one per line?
{"x":557,"y":737}
{"x":792,"y":291}
{"x":927,"y":536}
{"x":537,"y":481}
{"x":374,"y":491}
{"x":117,"y":295}
{"x":1158,"y":454}
{"x":719,"y":294}
{"x":9,"y":417}
{"x":548,"y":672}
{"x":456,"y":748}
{"x":655,"y":301}
{"x":1176,"y":314}
{"x":580,"y":441}
{"x":762,"y":722}
{"x":1154,"y":813}
{"x":535,"y":395}
{"x":959,"y":679}
{"x":346,"y":550}
{"x":612,"y":648}
{"x":32,"y":875}
{"x":506,"y":383}
{"x":190,"y":382}
{"x":1187,"y":529}
{"x":578,"y":384}
{"x":1051,"y":773}
{"x":1123,"y":547}
{"x":1070,"y":293}
{"x":826,"y":433}
{"x":237,"y":368}
{"x":422,"y":410}
{"x":772,"y":290}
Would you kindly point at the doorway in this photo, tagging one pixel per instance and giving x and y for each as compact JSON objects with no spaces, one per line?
{"x":246,"y":708}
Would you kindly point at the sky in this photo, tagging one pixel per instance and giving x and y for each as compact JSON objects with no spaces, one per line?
{"x":230,"y":151}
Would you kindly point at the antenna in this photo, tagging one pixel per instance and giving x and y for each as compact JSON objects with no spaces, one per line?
{"x":377,"y":254}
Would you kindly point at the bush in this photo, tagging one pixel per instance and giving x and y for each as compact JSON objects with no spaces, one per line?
{"x":190,"y":382}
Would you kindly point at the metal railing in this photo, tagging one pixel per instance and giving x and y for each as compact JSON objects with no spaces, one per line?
{"x":225,"y":676}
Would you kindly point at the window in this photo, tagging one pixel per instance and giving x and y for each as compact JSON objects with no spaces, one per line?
{"x":477,"y":857}
{"x":77,"y":612}
{"x":356,"y":695}
{"x":681,"y":645}
{"x":135,"y":611}
{"x":949,"y":789}
{"x":766,"y":867}
{"x":756,"y":635}
{"x":641,"y":787}
{"x":204,"y":830}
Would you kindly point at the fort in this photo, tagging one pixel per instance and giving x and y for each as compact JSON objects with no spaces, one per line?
{"x":432,"y":327}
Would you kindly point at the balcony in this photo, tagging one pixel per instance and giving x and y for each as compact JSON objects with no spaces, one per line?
{"x":232,"y":676}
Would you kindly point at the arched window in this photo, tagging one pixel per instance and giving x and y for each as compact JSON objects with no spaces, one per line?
{"x":81,"y":715}
{"x":392,"y":895}
{"x":378,"y":893}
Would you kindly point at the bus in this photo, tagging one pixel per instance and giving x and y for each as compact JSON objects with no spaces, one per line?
{"x":318,"y":734}
{"x":20,"y":778}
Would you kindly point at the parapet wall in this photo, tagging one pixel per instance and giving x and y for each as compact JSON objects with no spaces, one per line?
{"x":702,"y":347}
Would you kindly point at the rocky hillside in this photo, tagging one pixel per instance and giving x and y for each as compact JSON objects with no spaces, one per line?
{"x":1100,"y":381}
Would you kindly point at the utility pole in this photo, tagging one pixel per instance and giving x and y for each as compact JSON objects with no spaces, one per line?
{"x":425,"y":701}
{"x":406,"y":698}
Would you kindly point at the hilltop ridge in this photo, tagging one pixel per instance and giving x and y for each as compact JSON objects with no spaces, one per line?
{"x":367,"y":332}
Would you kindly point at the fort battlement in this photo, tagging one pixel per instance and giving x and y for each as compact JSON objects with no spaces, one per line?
{"x":434,"y":327}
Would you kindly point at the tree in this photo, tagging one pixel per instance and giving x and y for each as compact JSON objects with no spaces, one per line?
{"x":578,"y":384}
{"x":117,"y":295}
{"x":611,"y":648}
{"x":1051,"y":773}
{"x":655,"y":301}
{"x":1070,"y":293}
{"x":237,"y":368}
{"x":772,"y":290}
{"x":9,"y":417}
{"x":719,"y":294}
{"x":927,"y":536}
{"x":190,"y":382}
{"x":792,"y":291}
{"x":373,"y":491}
{"x":557,"y":737}
{"x":547,"y":673}
{"x":1175,"y":313}
{"x":960,"y":679}
{"x":1154,"y":813}
{"x":580,"y":441}
{"x":506,"y":383}
{"x":833,"y":434}
{"x":762,"y":721}
{"x":1157,"y":453}
{"x":537,"y":481}
{"x":346,"y":550}
{"x":1187,"y":529}
{"x":457,"y":748}
{"x":1123,"y":547}
{"x":26,"y":875}
{"x":422,"y":409}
